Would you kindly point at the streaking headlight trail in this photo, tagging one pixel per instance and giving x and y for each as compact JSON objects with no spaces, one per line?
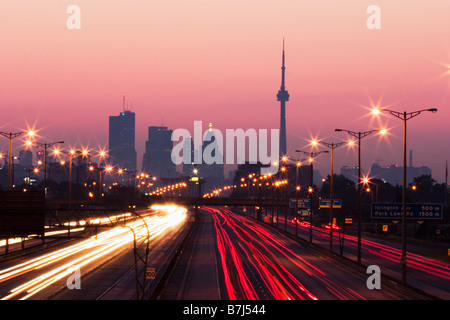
{"x":91,"y":249}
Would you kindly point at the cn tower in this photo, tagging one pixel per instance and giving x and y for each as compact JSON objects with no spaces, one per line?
{"x":283,"y":96}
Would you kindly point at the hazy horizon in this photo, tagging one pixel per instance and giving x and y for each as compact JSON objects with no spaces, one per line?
{"x":178,"y":62}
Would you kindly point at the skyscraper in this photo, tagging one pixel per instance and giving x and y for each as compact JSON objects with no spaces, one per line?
{"x":26,"y":158}
{"x":188,"y":156}
{"x":283,"y":96}
{"x":213,"y":172}
{"x":157,"y":159}
{"x":122,"y":152}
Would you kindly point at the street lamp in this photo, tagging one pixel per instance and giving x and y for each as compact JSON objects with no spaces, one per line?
{"x":298,"y":164}
{"x":102,"y":155}
{"x":72,"y":152}
{"x":359,"y":135}
{"x":331,"y":146}
{"x":11,"y":136}
{"x":404,"y":116}
{"x":311,"y":155}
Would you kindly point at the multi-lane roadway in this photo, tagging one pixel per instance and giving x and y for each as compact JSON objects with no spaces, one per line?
{"x":93,"y":268}
{"x":425,"y":273}
{"x":223,"y":256}
{"x":240,"y":258}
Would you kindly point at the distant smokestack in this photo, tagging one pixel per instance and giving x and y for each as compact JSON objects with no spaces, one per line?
{"x":410,"y":158}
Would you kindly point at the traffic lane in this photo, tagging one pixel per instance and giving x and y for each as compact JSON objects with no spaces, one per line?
{"x":427,"y":274}
{"x":47,"y":273}
{"x":55,"y":266}
{"x":202,"y":281}
{"x":340,"y":282}
{"x":287,"y":269}
{"x":270,"y":268}
{"x":115,"y":278}
{"x":196,"y":274}
{"x":65,"y":230}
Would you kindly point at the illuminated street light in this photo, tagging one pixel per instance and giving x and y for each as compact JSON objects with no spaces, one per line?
{"x":376,"y":111}
{"x":102,"y":154}
{"x":45,"y":146}
{"x":72,"y":152}
{"x":331,"y":146}
{"x":311,"y":160}
{"x":404,"y":116}
{"x":359,"y":135}
{"x":11,"y":136}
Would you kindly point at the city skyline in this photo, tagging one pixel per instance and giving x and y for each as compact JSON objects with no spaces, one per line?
{"x":220,"y":64}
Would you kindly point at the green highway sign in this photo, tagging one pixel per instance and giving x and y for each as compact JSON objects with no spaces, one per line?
{"x":302,"y":203}
{"x":325,"y":203}
{"x":413,"y":211}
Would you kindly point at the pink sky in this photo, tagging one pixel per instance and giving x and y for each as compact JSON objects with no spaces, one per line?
{"x":219,"y":61}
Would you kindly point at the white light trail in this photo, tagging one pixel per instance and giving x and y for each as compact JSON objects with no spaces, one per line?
{"x":95,"y":247}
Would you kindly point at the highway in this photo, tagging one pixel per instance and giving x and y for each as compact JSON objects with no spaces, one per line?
{"x":98,"y":263}
{"x":425,"y":273}
{"x":222,"y":256}
{"x":252,"y":261}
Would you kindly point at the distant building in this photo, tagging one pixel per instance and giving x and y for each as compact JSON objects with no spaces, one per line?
{"x":213,"y":173}
{"x":122,"y":152}
{"x":157,"y":159}
{"x":188,"y":165}
{"x":26,"y":158}
{"x":392,"y":174}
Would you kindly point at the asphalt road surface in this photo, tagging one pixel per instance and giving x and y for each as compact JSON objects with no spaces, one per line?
{"x":100,"y":266}
{"x":231,"y":256}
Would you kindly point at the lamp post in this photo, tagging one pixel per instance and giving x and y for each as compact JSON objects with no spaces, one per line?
{"x":284,"y":170}
{"x":71,"y":154}
{"x":45,"y":146}
{"x":11,"y":136}
{"x":359,"y":135}
{"x":298,"y":164}
{"x":404,"y":116}
{"x":331,"y":146}
{"x":311,"y":155}
{"x":102,"y":155}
